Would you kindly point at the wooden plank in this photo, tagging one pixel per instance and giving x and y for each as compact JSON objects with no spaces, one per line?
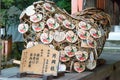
{"x":68,"y":76}
{"x":97,"y":74}
{"x":82,"y":75}
{"x":100,"y":73}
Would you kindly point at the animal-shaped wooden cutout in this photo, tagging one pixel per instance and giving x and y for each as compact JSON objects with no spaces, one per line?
{"x":79,"y":38}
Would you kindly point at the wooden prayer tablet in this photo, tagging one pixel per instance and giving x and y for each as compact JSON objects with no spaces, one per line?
{"x":40,"y":59}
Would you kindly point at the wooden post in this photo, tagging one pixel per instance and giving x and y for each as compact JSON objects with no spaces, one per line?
{"x":77,"y":5}
{"x":6,"y":48}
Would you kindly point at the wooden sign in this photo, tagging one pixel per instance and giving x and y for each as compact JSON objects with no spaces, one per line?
{"x":40,"y":59}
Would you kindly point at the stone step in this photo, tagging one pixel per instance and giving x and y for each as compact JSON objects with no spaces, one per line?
{"x":111,"y":50}
{"x":112,"y":43}
{"x":114,"y":36}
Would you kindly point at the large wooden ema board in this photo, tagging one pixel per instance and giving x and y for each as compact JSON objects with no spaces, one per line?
{"x":40,"y":59}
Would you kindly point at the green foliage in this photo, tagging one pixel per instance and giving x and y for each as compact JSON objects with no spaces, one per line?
{"x":64,"y":4}
{"x":7,"y":3}
{"x":21,"y":4}
{"x":2,"y":17}
{"x":0,"y":47}
{"x":17,"y":50}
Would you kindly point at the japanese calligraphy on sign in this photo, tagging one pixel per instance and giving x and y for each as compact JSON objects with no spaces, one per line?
{"x":40,"y":59}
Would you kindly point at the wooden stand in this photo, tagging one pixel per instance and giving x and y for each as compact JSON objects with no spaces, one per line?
{"x":44,"y":77}
{"x":20,"y":75}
